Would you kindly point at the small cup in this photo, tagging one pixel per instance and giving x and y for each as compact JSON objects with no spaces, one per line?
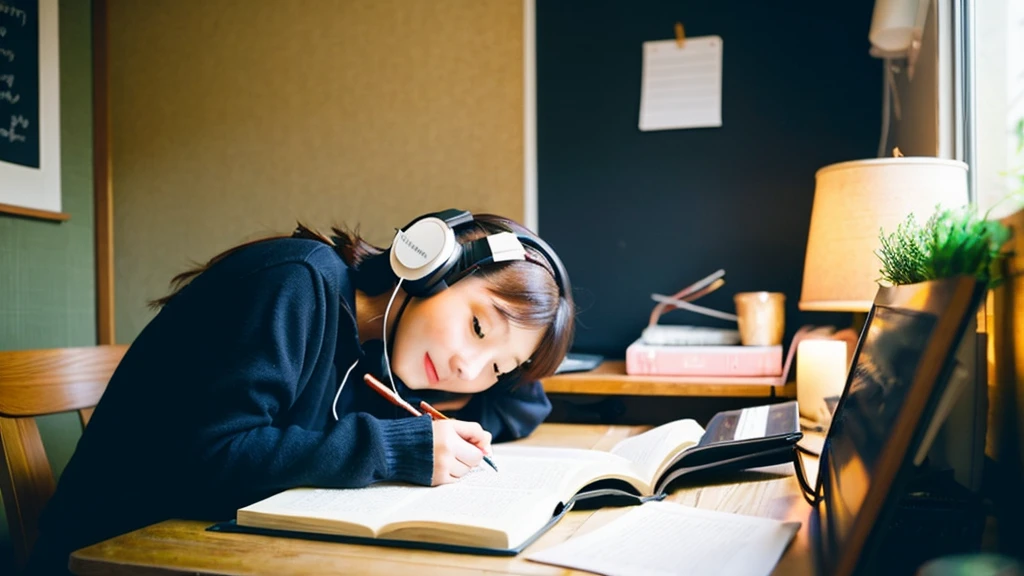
{"x":761,"y":317}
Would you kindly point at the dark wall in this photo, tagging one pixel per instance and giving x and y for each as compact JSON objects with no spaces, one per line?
{"x":633,"y":212}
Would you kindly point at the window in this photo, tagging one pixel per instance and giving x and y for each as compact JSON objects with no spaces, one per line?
{"x":999,"y":104}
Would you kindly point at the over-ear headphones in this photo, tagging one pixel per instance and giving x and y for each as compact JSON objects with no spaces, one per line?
{"x":428,"y":258}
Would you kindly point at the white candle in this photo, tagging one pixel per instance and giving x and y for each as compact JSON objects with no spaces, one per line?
{"x":820,"y":373}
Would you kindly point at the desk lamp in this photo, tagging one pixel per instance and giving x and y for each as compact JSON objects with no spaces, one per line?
{"x":853,"y":202}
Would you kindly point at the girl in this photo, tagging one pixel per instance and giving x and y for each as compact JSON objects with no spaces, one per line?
{"x":249,"y":379}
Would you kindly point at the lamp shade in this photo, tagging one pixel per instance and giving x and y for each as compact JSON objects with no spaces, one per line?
{"x":854,"y":202}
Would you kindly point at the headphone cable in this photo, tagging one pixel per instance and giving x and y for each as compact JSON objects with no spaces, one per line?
{"x":384,"y":331}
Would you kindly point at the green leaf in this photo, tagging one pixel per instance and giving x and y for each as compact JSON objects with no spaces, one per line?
{"x":952,"y":242}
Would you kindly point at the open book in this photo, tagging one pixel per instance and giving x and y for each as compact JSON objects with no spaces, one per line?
{"x":490,"y":512}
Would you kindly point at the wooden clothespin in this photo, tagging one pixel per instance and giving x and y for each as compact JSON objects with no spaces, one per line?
{"x":680,"y":35}
{"x":896,"y":152}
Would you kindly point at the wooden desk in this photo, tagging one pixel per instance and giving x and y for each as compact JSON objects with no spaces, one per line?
{"x":180,"y":547}
{"x":610,"y":378}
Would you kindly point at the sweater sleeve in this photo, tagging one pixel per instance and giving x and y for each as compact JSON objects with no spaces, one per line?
{"x":274,"y":330}
{"x":508,"y":413}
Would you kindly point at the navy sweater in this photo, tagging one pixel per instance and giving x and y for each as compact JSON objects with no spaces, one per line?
{"x":226,"y":398}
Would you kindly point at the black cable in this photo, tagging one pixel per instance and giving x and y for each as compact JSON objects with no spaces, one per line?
{"x":810,"y":494}
{"x":807,"y":450}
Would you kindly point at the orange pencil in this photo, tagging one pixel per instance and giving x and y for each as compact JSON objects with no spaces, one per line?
{"x":395,"y":399}
{"x":390,"y":395}
{"x":434,"y":412}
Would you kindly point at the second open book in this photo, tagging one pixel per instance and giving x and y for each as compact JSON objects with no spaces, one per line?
{"x":501,"y":512}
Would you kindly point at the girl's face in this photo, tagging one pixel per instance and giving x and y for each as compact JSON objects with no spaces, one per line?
{"x":458,"y":341}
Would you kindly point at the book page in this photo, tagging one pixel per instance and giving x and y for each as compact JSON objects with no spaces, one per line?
{"x":364,"y":506}
{"x":582,"y":466}
{"x":476,"y":503}
{"x":653,"y":449}
{"x":516,"y":501}
{"x":502,"y":451}
{"x":661,"y":538}
{"x":527,"y":475}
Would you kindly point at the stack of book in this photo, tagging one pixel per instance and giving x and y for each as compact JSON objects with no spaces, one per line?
{"x":646,"y":359}
{"x":666,"y":350}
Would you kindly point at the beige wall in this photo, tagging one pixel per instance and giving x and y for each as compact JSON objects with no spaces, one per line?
{"x":234,"y":118}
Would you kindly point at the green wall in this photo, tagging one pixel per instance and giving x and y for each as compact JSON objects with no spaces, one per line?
{"x":47,"y":270}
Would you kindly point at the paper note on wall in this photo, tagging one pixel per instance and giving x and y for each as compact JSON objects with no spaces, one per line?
{"x":682,"y":87}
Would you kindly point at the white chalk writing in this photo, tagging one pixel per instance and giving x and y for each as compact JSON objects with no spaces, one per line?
{"x":7,"y":79}
{"x":16,"y":13}
{"x":10,"y":97}
{"x":11,"y":135}
{"x":8,"y":54}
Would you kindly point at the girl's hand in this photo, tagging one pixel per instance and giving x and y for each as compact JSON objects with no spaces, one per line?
{"x":458,"y":447}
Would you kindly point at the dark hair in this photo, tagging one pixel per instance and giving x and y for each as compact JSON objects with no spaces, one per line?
{"x":530,"y":294}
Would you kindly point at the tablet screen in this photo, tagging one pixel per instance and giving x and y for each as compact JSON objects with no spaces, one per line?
{"x":880,"y":378}
{"x":899,"y":370}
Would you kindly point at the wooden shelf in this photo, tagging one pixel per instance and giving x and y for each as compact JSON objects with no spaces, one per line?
{"x":610,"y":378}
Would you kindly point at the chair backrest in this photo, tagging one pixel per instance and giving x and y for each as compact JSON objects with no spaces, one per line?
{"x":37,"y":383}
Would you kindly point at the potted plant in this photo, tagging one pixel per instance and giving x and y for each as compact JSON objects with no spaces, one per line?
{"x":952,"y":242}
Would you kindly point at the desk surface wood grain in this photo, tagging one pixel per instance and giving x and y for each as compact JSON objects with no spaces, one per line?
{"x":610,"y":378}
{"x":185,"y":547}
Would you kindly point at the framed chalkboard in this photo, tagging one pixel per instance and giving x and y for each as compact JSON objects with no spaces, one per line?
{"x":30,"y":183}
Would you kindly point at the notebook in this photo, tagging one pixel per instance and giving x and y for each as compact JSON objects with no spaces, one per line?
{"x":662,"y":538}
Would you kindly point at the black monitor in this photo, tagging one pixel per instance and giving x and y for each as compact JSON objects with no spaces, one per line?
{"x":900,"y":369}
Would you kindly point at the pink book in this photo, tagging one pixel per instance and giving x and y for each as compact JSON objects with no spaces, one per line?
{"x":654,"y":360}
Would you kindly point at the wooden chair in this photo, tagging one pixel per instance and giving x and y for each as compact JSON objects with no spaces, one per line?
{"x":37,"y":383}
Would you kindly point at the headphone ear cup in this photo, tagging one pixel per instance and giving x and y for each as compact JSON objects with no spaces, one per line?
{"x":422,"y":253}
{"x":432,"y":284}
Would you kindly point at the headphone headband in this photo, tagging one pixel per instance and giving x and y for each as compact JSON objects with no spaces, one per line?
{"x":426,"y":255}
